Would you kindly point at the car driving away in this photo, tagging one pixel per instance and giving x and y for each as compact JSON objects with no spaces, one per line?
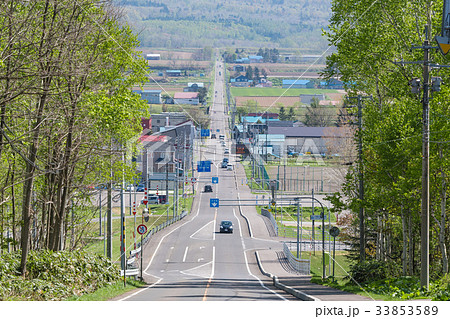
{"x":226,"y":226}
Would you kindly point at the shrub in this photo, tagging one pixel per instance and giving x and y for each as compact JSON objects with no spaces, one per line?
{"x":368,"y":270}
{"x":54,"y":275}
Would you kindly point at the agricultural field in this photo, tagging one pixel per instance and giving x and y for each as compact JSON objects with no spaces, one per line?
{"x":273,"y":91}
{"x":268,"y":101}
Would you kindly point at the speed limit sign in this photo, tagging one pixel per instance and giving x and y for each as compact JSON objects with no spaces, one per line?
{"x":141,"y":229}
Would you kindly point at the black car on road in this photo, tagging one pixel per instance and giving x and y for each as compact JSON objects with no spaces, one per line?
{"x":226,"y":226}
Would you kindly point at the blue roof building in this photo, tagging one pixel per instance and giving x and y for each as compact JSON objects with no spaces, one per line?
{"x":298,"y":84}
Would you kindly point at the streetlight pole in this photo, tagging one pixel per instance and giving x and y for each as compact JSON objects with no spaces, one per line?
{"x":425,"y":212}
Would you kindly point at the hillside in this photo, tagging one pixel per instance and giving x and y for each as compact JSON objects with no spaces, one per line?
{"x":229,"y":23}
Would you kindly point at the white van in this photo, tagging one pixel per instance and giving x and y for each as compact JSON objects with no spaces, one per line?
{"x":229,"y":167}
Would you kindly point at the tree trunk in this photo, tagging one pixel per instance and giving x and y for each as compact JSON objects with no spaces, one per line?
{"x":405,"y":244}
{"x":442,"y":244}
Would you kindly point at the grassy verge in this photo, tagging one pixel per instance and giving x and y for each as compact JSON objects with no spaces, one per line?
{"x":341,"y":271}
{"x":159,"y":215}
{"x":109,"y":292}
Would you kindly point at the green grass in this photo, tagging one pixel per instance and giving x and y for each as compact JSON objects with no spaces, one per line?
{"x":158,"y":216}
{"x":111,"y":291}
{"x":276,"y":91}
{"x":341,"y":269}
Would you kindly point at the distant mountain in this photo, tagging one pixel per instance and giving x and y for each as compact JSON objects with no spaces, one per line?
{"x":229,"y":23}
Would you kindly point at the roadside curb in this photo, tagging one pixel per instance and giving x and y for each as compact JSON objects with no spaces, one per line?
{"x":296,"y":293}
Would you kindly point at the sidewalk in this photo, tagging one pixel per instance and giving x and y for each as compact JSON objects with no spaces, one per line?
{"x":274,"y":264}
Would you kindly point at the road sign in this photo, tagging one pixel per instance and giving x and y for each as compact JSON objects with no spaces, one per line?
{"x":316,"y":217}
{"x":215,"y":180}
{"x":204,"y":132}
{"x":141,"y":229}
{"x":214,"y":202}
{"x":204,"y":166}
{"x":334,"y":231}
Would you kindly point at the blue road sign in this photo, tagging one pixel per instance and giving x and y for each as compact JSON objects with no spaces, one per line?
{"x":204,"y":166}
{"x":214,"y":202}
{"x":215,"y":180}
{"x":316,"y":217}
{"x":204,"y":132}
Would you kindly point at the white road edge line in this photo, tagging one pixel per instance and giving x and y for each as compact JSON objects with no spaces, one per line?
{"x":185,"y":253}
{"x":156,"y":250}
{"x":248,"y":268}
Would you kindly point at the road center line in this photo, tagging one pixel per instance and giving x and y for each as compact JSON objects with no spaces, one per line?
{"x":212,"y":274}
{"x":185,"y":253}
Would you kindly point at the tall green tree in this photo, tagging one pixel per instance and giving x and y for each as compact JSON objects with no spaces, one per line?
{"x":369,"y":38}
{"x":65,"y":94}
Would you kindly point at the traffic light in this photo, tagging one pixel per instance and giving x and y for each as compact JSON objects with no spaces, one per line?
{"x":436,"y":83}
{"x":415,"y":85}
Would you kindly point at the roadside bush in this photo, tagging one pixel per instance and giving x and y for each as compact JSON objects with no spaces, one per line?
{"x":54,"y":275}
{"x":368,"y":270}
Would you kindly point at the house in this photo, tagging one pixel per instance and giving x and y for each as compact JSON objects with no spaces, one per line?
{"x":312,"y":140}
{"x":151,"y":96}
{"x":307,"y":98}
{"x":243,"y":60}
{"x":161,"y":122}
{"x":241,"y":81}
{"x":193,"y":87}
{"x":264,"y":115}
{"x":270,"y":144}
{"x":332,"y":84}
{"x":264,"y":83}
{"x":256,"y":59}
{"x":239,"y":68}
{"x":146,"y":123}
{"x":153,"y":57}
{"x":186,"y":98}
{"x":173,"y":73}
{"x":164,"y":154}
{"x":298,"y":84}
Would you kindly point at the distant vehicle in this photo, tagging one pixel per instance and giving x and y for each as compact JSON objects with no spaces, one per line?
{"x":213,"y":135}
{"x":229,"y":167}
{"x":227,"y":151}
{"x":225,"y":159}
{"x":208,"y":189}
{"x":226,"y":226}
{"x":140,"y":188}
{"x":152,"y":200}
{"x":224,"y":165}
{"x":222,"y":137}
{"x":220,"y":73}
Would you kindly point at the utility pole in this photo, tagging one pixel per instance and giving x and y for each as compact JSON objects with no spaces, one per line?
{"x":361,"y":215}
{"x":425,"y":213}
{"x":415,"y":88}
{"x":109,"y":218}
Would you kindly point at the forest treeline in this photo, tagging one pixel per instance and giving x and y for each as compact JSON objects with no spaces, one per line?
{"x":66,"y":115}
{"x":367,"y":51}
{"x":248,"y":23}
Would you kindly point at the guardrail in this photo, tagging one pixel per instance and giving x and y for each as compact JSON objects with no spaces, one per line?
{"x":302,"y":266}
{"x":269,"y":215}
